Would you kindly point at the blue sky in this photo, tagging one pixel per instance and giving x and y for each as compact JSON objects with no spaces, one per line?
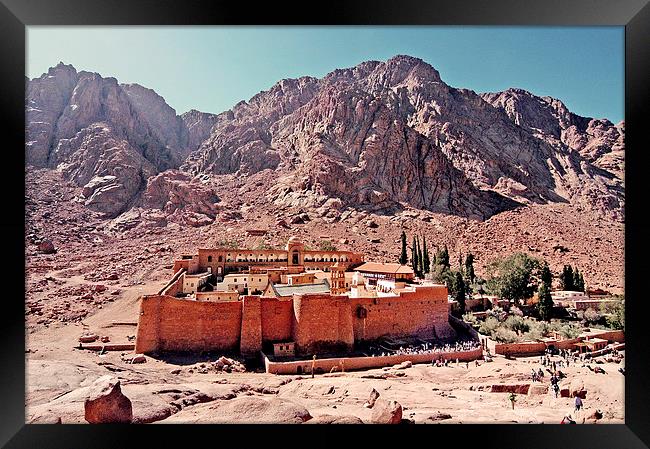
{"x":212,"y":68}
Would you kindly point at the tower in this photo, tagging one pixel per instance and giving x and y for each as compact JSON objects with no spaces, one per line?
{"x":295,"y":250}
{"x":337,"y":285}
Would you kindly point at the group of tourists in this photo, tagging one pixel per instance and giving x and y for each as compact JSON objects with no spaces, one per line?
{"x":537,"y":376}
{"x":427,"y":348}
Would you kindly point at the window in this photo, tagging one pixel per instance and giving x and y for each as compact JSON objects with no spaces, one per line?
{"x":209,"y":258}
{"x":220,"y":258}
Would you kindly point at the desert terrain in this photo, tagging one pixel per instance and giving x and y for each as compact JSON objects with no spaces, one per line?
{"x":118,"y":186}
{"x":187,"y":389}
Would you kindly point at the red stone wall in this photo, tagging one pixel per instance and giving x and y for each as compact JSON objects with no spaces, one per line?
{"x":412,"y":313}
{"x":321,"y":322}
{"x":520,"y":348}
{"x":277,"y":315}
{"x":251,"y":325}
{"x":171,"y":324}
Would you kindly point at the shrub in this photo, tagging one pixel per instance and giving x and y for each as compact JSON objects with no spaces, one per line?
{"x":497,"y":313}
{"x":591,"y":316}
{"x":537,"y":330}
{"x":504,"y":335}
{"x":567,"y":330}
{"x":516,"y":324}
{"x":514,"y":310}
{"x":327,"y":245}
{"x":489,"y":326}
{"x":470,"y":319}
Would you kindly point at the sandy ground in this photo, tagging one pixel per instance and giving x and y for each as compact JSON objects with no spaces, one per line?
{"x":58,"y":374}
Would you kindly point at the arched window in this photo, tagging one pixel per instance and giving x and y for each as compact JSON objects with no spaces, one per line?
{"x":220,"y":258}
{"x":209,"y":258}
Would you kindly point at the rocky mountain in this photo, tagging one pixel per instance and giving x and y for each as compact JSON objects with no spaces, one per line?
{"x":598,"y":141}
{"x":108,"y":138}
{"x":382,"y":134}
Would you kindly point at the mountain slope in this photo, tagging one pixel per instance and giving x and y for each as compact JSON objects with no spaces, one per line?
{"x":383,"y":133}
{"x":107,"y":137}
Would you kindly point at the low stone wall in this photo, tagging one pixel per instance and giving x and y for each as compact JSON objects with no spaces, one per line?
{"x":566,"y":344}
{"x":530,"y":348}
{"x":360,"y":363}
{"x":518,"y":388}
{"x":612,"y":336}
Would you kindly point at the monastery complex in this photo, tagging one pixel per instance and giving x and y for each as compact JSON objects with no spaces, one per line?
{"x":300,"y":310}
{"x":289,"y":303}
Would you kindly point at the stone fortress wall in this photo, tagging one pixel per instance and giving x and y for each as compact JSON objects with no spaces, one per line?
{"x":316,"y":322}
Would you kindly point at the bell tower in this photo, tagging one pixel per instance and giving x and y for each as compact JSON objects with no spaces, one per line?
{"x":295,"y":250}
{"x":337,"y":277}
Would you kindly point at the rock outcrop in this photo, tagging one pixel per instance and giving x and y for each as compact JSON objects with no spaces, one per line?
{"x":105,"y":402}
{"x":386,"y":412}
{"x":108,"y":138}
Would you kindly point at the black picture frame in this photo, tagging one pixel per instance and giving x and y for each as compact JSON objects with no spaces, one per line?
{"x":15,"y":15}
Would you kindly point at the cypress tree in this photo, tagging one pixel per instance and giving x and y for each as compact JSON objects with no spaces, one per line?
{"x":427,"y":262}
{"x":443,"y":257}
{"x":469,"y":268}
{"x":567,"y":278}
{"x":546,"y":275}
{"x":420,"y":260}
{"x":578,"y":281}
{"x":545,"y":302}
{"x":413,"y":255}
{"x":459,"y":291}
{"x":403,"y":258}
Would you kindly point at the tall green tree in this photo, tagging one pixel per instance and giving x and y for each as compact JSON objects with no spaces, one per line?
{"x":420,"y":260}
{"x":403,"y":258}
{"x":469,"y":268}
{"x":546,"y":276}
{"x":414,"y":259}
{"x":512,"y":278}
{"x":459,"y":291}
{"x":443,"y":257}
{"x":427,"y":263}
{"x":544,"y":302}
{"x":566,"y":278}
{"x":578,"y":281}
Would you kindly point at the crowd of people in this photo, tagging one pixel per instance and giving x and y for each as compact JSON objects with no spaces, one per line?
{"x":429,"y":348}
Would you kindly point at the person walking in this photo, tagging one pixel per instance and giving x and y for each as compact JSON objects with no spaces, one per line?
{"x":513,"y":399}
{"x":578,"y":405}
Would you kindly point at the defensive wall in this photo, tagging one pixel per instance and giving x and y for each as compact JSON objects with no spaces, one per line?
{"x":315,"y":322}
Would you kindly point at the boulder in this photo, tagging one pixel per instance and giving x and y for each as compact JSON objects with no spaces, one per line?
{"x":386,"y":412}
{"x":577,"y":388}
{"x":105,"y":402}
{"x":331,"y":419}
{"x":537,"y":389}
{"x":88,"y":338}
{"x":225,"y":361}
{"x":138,"y":358}
{"x":405,"y":364}
{"x":46,"y":247}
{"x":439,"y":416}
{"x":374,"y":395}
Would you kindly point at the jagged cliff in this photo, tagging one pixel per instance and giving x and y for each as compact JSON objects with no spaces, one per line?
{"x":391,"y":132}
{"x":378,"y":136}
